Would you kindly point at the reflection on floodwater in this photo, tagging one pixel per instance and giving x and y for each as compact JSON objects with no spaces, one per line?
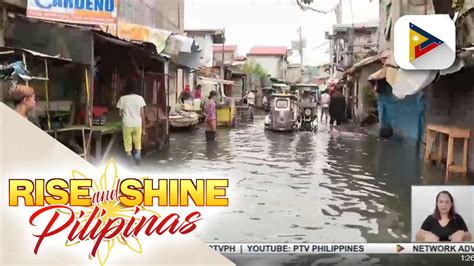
{"x":302,"y":187}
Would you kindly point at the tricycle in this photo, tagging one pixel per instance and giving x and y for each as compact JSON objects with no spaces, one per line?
{"x":283,"y":113}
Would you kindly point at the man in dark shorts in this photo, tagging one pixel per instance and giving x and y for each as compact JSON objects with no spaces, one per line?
{"x":337,"y":107}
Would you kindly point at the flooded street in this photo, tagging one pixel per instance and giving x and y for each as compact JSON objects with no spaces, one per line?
{"x":301,"y":187}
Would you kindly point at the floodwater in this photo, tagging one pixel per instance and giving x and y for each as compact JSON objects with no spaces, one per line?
{"x":302,"y":187}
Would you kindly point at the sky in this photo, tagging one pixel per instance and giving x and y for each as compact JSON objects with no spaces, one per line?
{"x":275,"y":22}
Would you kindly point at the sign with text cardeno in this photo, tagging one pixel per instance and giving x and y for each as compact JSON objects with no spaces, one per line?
{"x":74,"y":11}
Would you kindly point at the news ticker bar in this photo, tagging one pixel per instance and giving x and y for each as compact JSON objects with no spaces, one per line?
{"x":343,"y":248}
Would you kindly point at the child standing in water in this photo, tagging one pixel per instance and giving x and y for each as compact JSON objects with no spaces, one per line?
{"x":211,"y":113}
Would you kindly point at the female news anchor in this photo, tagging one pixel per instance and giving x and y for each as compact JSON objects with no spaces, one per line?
{"x":444,"y":224}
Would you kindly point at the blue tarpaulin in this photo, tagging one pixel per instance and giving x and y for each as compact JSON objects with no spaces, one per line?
{"x":405,"y":117}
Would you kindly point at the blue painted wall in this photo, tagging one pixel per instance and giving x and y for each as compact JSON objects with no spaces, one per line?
{"x":406,"y":116}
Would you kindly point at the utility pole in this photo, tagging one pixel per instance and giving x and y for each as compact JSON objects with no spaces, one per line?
{"x":223,"y":51}
{"x":334,"y":46}
{"x":301,"y":54}
{"x":339,"y":12}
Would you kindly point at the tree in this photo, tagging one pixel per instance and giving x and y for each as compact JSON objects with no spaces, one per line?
{"x":250,"y":67}
{"x":260,"y":71}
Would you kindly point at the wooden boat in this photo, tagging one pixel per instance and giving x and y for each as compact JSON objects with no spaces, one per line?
{"x":182,"y":119}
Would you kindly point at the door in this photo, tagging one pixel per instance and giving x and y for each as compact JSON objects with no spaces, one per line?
{"x":156,"y":112}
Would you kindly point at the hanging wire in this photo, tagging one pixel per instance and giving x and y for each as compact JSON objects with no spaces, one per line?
{"x":308,"y":7}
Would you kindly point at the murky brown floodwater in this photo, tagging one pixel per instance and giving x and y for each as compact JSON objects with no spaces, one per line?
{"x":302,"y":187}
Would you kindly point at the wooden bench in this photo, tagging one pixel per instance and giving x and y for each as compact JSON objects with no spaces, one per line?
{"x":432,"y":131}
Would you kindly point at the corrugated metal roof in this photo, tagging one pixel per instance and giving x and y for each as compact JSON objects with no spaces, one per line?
{"x":369,"y":60}
{"x":34,"y":53}
{"x":268,"y":51}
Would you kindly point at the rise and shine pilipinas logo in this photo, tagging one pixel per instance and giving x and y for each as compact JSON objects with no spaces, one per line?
{"x":111,"y":211}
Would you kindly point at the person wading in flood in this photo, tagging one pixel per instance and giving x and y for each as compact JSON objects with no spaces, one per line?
{"x":337,"y":107}
{"x":133,"y":118}
{"x":211,"y":113}
{"x":24,"y":101}
{"x":325,"y":100}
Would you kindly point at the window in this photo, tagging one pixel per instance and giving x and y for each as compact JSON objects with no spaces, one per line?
{"x":282,"y":104}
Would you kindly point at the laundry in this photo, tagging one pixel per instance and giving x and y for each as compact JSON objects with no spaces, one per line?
{"x":14,"y":69}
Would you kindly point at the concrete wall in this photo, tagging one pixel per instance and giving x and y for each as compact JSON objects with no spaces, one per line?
{"x":228,"y":57}
{"x":207,"y":49}
{"x":450,"y":101}
{"x":400,"y":8}
{"x":361,"y":81}
{"x":272,"y":64}
{"x":161,"y":14}
{"x":364,"y":43}
{"x":293,"y":74}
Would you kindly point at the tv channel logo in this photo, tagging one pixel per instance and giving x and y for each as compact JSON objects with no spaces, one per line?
{"x":426,"y":42}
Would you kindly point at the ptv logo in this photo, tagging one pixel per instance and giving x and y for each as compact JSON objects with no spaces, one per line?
{"x":421,"y":42}
{"x":425,"y":42}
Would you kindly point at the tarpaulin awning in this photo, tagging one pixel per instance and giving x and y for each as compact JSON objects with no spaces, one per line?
{"x":4,"y":50}
{"x":184,"y":51}
{"x":177,"y":44}
{"x":403,"y":82}
{"x":134,"y":32}
{"x":378,"y":75}
{"x":410,"y":82}
{"x":220,"y":81}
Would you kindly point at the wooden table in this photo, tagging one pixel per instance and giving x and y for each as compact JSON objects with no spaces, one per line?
{"x":432,"y":131}
{"x":98,"y":134}
{"x":73,"y":128}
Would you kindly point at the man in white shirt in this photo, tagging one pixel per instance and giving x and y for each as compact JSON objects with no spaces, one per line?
{"x":133,"y":119}
{"x":325,"y":100}
{"x":250,"y":97}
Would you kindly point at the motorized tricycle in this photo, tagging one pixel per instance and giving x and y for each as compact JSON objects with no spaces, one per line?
{"x":283,"y":113}
{"x":307,"y":107}
{"x":308,"y":118}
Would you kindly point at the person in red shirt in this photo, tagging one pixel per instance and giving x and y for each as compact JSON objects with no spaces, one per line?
{"x":185,"y":95}
{"x":197,"y":92}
